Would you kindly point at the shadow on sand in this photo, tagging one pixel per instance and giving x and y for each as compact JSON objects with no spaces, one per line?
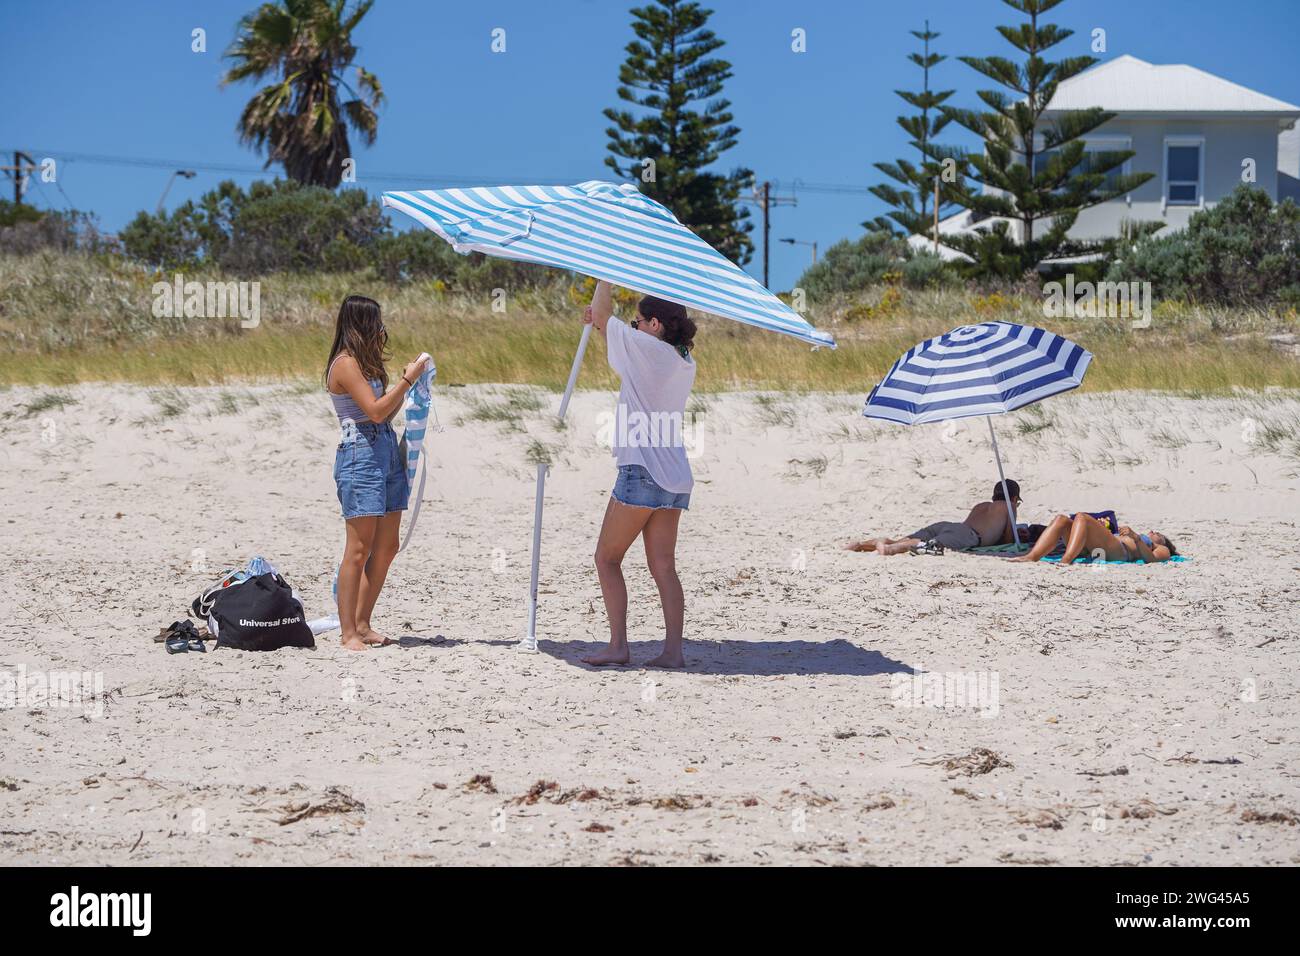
{"x":758,"y":658}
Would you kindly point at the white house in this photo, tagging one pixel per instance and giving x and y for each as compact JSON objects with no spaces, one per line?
{"x":1200,"y":135}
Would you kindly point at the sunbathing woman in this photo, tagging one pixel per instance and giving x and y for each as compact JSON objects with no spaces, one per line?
{"x":1085,"y":534}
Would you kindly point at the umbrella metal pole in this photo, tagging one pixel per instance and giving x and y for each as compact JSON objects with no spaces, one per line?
{"x":529,"y":643}
{"x":1011,"y":515}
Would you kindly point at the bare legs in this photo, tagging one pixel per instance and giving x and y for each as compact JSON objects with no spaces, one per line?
{"x":1089,"y":534}
{"x":1084,"y":533}
{"x":382,"y":552}
{"x":885,"y":546}
{"x":658,"y":529}
{"x":1056,"y":532}
{"x":370,"y":548}
{"x":660,"y":539}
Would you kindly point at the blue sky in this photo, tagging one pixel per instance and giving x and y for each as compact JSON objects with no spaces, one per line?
{"x":119,"y":79}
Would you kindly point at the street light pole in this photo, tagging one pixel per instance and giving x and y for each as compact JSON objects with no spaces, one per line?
{"x":803,"y":242}
{"x":187,"y":173}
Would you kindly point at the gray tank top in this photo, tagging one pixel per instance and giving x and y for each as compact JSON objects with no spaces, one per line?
{"x":346,"y":407}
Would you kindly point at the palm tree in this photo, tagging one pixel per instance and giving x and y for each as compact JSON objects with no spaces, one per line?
{"x":306,"y":46}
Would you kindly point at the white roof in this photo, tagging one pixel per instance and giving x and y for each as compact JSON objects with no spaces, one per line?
{"x":1129,"y":85}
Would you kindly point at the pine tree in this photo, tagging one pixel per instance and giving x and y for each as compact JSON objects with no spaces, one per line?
{"x":1033,"y":172}
{"x":669,"y":146}
{"x":912,"y":209}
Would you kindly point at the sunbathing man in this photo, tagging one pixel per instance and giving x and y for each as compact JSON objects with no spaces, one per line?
{"x":987,"y":524}
{"x":1084,"y":533}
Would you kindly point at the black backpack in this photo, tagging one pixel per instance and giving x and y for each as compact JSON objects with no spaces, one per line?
{"x":257,"y":614}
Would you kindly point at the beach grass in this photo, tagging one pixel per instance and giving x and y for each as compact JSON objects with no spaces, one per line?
{"x":68,"y":318}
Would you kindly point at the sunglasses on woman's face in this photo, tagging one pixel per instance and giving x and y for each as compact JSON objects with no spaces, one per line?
{"x":636,"y":323}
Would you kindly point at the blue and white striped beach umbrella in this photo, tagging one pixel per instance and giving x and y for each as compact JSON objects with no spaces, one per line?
{"x":983,"y":369}
{"x":607,"y":231}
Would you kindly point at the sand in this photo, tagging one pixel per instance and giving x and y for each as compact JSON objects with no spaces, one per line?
{"x":1142,"y":715}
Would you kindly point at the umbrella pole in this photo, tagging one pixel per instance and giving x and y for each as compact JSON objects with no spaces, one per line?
{"x":1011,"y":515}
{"x":529,"y":643}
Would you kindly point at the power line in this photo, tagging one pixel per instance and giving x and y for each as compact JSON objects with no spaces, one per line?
{"x":101,"y":159}
{"x":795,"y":185}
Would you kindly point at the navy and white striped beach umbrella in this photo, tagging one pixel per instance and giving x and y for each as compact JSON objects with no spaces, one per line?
{"x":983,"y":369}
{"x":608,"y":231}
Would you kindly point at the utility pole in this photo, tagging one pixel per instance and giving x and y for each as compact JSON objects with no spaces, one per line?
{"x":20,"y":172}
{"x":764,"y":198}
{"x":936,"y":215}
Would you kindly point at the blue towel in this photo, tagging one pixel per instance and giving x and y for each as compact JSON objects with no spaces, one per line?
{"x":1176,"y":559}
{"x":415,"y":409}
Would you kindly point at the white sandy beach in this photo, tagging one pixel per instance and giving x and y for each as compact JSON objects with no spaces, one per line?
{"x":1144,"y":716}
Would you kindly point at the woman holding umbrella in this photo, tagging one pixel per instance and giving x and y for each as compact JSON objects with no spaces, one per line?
{"x":652,"y":357}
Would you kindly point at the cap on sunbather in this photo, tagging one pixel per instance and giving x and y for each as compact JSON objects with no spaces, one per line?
{"x":1013,"y":488}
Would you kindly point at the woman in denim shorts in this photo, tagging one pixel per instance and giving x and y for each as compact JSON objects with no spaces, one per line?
{"x":368,"y":468}
{"x":652,"y":356}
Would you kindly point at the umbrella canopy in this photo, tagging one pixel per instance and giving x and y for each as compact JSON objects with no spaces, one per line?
{"x":983,"y":369}
{"x":607,"y":231}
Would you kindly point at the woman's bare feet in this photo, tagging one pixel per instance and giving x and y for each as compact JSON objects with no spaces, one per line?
{"x":1022,"y":559}
{"x":610,"y":656}
{"x":667,"y":659}
{"x":370,"y":636}
{"x":353,"y":642}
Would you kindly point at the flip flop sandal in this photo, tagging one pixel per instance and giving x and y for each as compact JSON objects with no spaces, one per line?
{"x":930,"y":547}
{"x":172,"y":629}
{"x":177,"y":645}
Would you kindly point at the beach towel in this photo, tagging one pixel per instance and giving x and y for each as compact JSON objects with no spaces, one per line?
{"x":1009,"y":550}
{"x":415,"y":410}
{"x":1176,"y":559}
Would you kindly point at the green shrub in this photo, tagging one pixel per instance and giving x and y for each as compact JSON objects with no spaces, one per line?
{"x":286,"y":227}
{"x":853,"y":265}
{"x":280,"y":226}
{"x":1244,"y":250}
{"x":12,"y":213}
{"x":925,"y":270}
{"x":418,"y":254}
{"x":24,"y":231}
{"x":164,"y":241}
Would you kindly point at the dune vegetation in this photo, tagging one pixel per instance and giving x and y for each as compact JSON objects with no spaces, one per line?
{"x":71,"y":317}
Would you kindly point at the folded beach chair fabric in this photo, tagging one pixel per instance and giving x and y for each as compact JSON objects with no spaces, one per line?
{"x":416,"y":409}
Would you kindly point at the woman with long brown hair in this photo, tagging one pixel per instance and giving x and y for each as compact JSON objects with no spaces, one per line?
{"x":368,"y":470}
{"x":652,"y":357}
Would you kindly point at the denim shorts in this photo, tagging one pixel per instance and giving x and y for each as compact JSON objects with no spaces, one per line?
{"x":369,"y":472}
{"x":635,"y":487}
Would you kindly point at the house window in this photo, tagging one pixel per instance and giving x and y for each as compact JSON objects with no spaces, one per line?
{"x":1184,"y":171}
{"x":1107,"y":145}
{"x":1042,"y":158}
{"x":1091,"y":147}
